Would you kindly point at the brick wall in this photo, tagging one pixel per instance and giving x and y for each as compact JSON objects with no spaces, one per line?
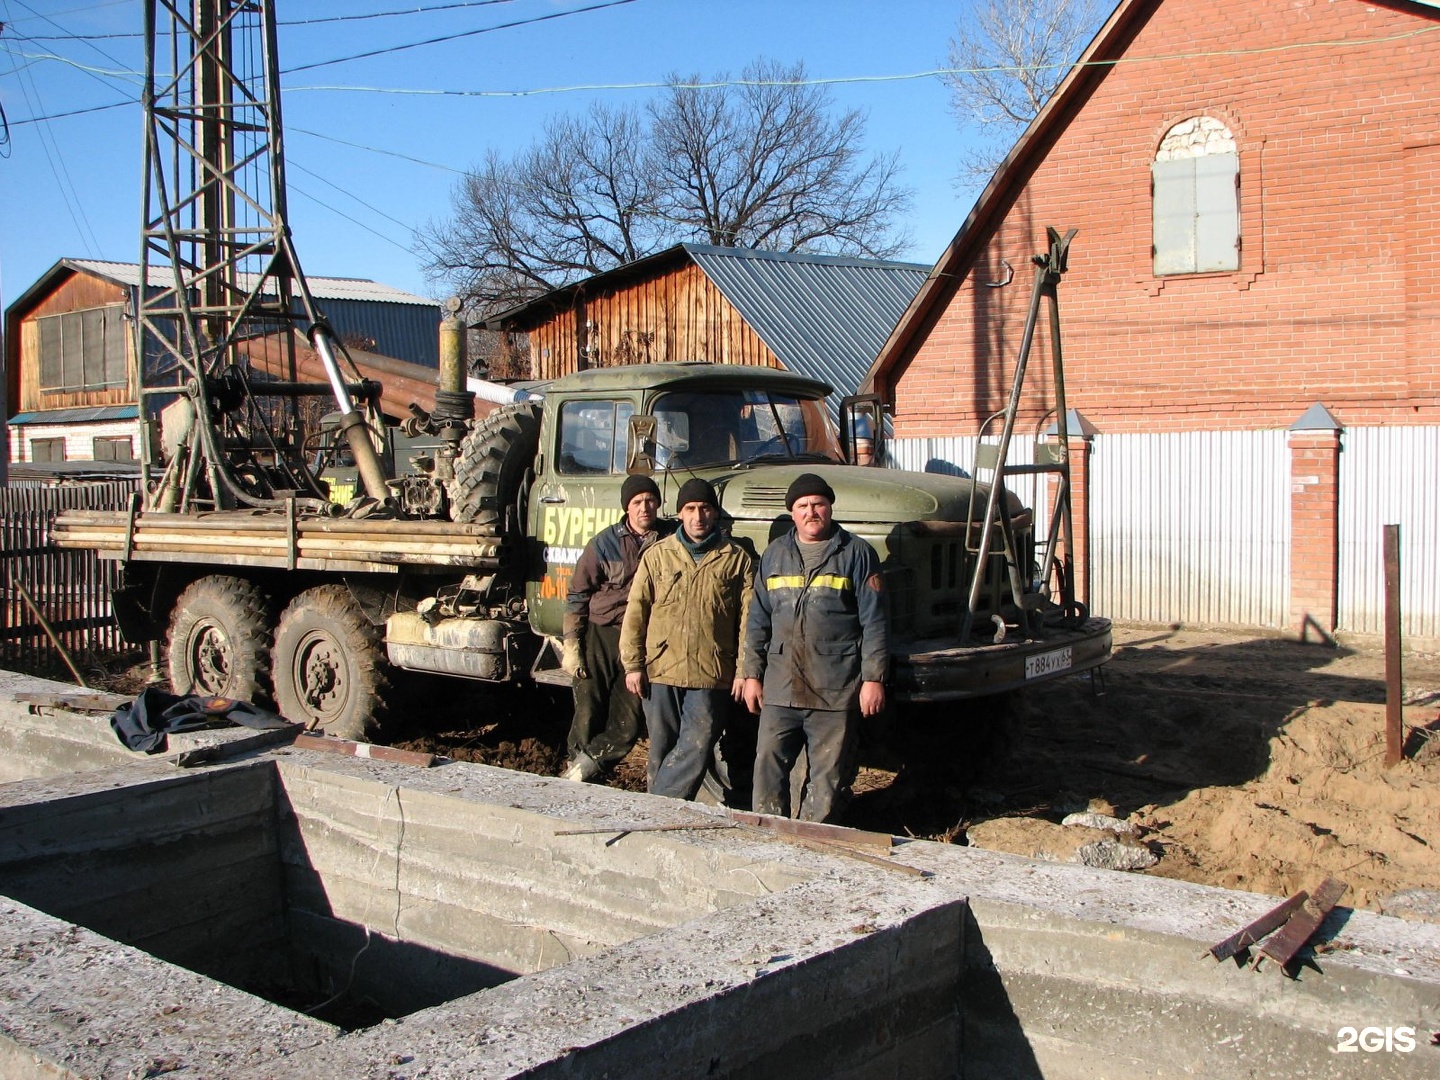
{"x":1335,"y":300}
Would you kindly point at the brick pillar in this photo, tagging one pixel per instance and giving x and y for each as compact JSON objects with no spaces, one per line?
{"x":1078,"y":449}
{"x":1314,"y":531}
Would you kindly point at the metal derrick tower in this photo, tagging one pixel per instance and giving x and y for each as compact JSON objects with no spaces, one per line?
{"x":219,"y":275}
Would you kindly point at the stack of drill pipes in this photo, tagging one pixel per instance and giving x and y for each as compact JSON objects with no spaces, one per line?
{"x":319,"y":538}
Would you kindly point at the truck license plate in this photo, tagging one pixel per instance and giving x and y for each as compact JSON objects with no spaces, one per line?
{"x":1046,"y":663}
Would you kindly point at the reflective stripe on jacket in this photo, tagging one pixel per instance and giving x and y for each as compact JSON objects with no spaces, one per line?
{"x":685,"y":618}
{"x":814,"y":638}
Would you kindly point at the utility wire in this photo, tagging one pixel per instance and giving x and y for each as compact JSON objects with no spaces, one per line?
{"x":51,"y":148}
{"x":457,"y":36}
{"x":718,"y":83}
{"x":349,"y":194}
{"x":354,"y":221}
{"x":57,"y":26}
{"x":378,"y":150}
{"x":423,"y":9}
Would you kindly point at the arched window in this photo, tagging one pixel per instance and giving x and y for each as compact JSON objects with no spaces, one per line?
{"x":1195,"y":190}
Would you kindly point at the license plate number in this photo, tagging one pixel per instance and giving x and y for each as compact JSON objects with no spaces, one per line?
{"x":1047,"y":663}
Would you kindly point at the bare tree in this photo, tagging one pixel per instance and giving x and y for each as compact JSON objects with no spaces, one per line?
{"x":763,"y":164}
{"x":1006,"y":59}
{"x":759,"y":163}
{"x":574,"y":204}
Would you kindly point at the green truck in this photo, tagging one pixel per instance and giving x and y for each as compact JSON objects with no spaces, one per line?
{"x":466,"y":571}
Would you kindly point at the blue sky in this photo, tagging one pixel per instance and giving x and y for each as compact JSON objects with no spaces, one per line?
{"x":70,"y":186}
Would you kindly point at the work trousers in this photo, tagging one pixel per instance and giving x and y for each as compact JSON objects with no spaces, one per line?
{"x":829,"y":739}
{"x":684,"y":725}
{"x":607,"y":715}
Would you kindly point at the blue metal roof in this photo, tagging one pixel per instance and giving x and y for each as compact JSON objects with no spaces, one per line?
{"x":82,"y":414}
{"x":823,"y":316}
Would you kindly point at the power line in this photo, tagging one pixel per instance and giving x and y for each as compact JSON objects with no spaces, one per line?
{"x":63,"y":183}
{"x":378,"y":150}
{"x":57,"y":26}
{"x":354,"y":221}
{"x":350,"y":194}
{"x":457,"y":36}
{"x":423,"y":9}
{"x":842,"y":80}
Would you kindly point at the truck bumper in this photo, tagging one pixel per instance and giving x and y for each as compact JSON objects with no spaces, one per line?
{"x":923,"y":672}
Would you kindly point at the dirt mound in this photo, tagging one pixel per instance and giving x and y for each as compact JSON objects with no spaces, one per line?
{"x":1250,"y":763}
{"x":1325,"y":805}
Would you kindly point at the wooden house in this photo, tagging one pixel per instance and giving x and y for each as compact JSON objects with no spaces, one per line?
{"x":823,"y":316}
{"x":71,"y":380}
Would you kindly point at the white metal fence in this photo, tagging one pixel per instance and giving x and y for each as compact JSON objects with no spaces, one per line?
{"x":1390,"y":476}
{"x":1191,"y":527}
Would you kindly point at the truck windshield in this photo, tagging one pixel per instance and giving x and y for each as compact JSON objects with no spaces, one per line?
{"x":732,"y":427}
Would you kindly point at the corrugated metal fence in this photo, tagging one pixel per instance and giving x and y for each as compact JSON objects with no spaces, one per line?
{"x":1191,"y":527}
{"x":71,"y":588}
{"x":1390,"y":476}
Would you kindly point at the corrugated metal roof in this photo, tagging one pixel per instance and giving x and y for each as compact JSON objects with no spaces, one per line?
{"x":83,"y":414}
{"x":322,"y":288}
{"x":823,"y":316}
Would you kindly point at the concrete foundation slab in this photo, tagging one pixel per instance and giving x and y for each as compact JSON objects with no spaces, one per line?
{"x":497,"y":948}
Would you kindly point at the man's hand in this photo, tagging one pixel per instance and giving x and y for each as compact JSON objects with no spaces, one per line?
{"x":872,"y":698}
{"x":572,"y":660}
{"x":754,"y":695}
{"x":737,"y":689}
{"x":636,"y":683}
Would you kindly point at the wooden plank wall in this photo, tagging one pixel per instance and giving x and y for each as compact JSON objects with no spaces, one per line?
{"x":679,"y":315}
{"x":71,"y":588}
{"x":79,"y":292}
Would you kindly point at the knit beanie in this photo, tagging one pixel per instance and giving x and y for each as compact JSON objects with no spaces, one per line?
{"x":807,"y":484}
{"x":696,"y":490}
{"x":637,"y":484}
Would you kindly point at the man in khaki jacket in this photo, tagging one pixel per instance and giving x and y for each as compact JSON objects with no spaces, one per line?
{"x":681,"y":639}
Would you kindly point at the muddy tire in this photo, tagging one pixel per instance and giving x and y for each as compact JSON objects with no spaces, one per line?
{"x":492,"y":464}
{"x":329,"y":665}
{"x":219,"y":640}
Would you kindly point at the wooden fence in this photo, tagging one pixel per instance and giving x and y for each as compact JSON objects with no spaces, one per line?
{"x":71,"y":589}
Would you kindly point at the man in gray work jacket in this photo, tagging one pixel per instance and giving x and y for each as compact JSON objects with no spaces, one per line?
{"x":817,"y":648}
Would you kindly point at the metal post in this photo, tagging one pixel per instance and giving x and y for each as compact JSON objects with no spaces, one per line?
{"x":1394,"y":728}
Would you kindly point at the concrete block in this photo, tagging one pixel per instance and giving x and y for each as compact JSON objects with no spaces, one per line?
{"x":73,"y":1003}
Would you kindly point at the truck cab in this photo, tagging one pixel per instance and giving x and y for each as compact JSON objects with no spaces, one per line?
{"x":750,"y":432}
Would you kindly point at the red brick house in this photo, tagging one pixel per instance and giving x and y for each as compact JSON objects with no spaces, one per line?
{"x":1255,"y":187}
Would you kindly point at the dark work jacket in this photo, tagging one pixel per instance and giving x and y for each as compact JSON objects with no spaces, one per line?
{"x":600,"y":585}
{"x":815,"y":637}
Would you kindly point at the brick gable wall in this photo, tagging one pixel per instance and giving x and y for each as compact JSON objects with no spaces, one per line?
{"x":1336,"y":299}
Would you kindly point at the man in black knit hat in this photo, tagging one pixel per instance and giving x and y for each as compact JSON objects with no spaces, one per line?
{"x":681,"y":639}
{"x":607,"y":715}
{"x":817,"y":650}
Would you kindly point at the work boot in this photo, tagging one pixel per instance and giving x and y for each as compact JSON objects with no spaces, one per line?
{"x":583,"y":768}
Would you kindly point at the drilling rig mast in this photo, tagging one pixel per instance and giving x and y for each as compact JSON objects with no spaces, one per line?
{"x":219,"y":271}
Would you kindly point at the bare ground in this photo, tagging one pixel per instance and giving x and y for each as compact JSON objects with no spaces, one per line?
{"x":1249,"y":763}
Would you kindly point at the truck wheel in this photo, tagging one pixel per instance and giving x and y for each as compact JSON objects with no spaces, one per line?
{"x":219,"y":642}
{"x":492,"y":464}
{"x":328,"y":665}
